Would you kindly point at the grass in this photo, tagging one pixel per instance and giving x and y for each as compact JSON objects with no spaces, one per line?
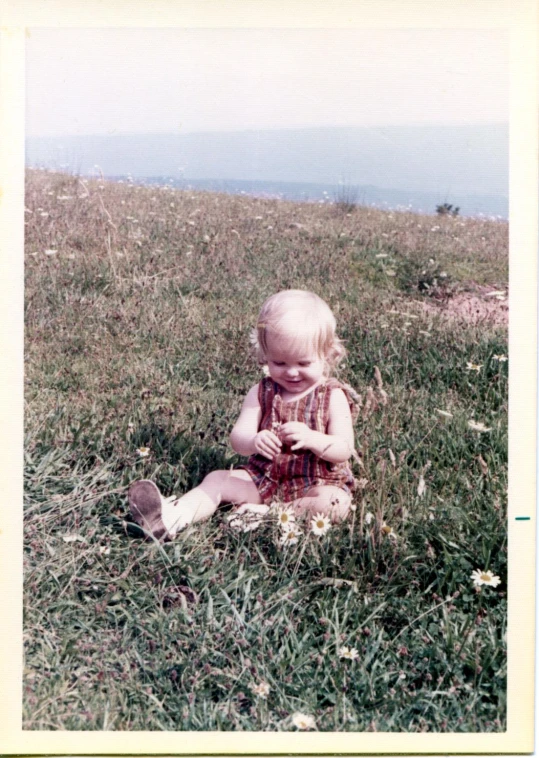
{"x":137,"y":335}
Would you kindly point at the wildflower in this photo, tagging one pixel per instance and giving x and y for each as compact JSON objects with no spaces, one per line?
{"x":421,"y":487}
{"x":499,"y":358}
{"x":261,"y":690}
{"x":478,"y":426}
{"x":350,"y":653}
{"x":303,"y":721}
{"x":485,"y":577}
{"x":290,"y":536}
{"x":368,"y":518}
{"x":483,"y":465}
{"x":104,"y":550}
{"x":320,"y":524}
{"x":143,"y":452}
{"x":445,"y":414}
{"x":474,"y":366}
{"x":388,"y":531}
{"x":285,"y":517}
{"x":245,"y":522}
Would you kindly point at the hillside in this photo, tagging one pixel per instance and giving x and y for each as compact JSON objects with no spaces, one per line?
{"x":139,"y":305}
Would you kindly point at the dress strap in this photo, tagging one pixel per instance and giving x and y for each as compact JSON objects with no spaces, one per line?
{"x":354,"y":400}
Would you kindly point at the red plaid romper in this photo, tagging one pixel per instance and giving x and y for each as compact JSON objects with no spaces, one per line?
{"x":291,"y":474}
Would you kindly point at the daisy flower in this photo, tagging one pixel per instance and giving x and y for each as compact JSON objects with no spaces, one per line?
{"x":474,"y":366}
{"x":143,"y":452}
{"x":445,"y":414}
{"x":303,"y":721}
{"x":368,"y":517}
{"x":500,"y":358}
{"x":320,"y":524}
{"x":262,"y":689}
{"x":290,"y":536}
{"x":286,"y":517}
{"x":485,"y":577}
{"x":349,"y":653}
{"x":388,"y":531}
{"x":478,"y":426}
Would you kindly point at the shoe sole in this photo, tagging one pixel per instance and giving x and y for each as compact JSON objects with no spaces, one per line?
{"x":145,"y":508}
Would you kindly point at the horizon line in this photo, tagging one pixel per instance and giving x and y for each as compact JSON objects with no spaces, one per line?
{"x":180,"y":133}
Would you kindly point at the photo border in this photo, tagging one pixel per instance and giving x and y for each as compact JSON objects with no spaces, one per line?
{"x":17,"y":17}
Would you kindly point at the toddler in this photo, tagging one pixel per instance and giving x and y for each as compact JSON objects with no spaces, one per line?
{"x":296,"y":426}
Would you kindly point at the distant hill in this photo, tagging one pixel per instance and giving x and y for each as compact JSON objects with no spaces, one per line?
{"x":397,"y":165}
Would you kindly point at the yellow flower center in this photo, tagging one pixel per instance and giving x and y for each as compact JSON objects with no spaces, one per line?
{"x":320,"y":524}
{"x":485,"y":577}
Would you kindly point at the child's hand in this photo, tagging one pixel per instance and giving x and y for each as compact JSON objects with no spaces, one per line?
{"x":297,"y":434}
{"x":267,"y":444}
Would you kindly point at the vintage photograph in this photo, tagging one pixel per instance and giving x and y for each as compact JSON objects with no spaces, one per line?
{"x":266,"y":379}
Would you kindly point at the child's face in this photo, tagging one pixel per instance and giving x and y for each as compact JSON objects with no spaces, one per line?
{"x":294,"y":369}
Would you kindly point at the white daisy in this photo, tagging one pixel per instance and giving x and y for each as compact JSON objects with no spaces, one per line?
{"x":350,"y":653}
{"x":388,"y":531}
{"x":445,"y":414}
{"x":143,"y":452}
{"x":320,"y":524}
{"x":290,"y":536}
{"x":303,"y":721}
{"x":286,"y":517}
{"x":478,"y":426}
{"x":368,"y":518}
{"x":474,"y":366}
{"x":485,"y":577}
{"x":499,"y":358}
{"x":261,"y":690}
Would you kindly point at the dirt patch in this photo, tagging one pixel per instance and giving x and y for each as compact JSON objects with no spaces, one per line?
{"x":476,"y":305}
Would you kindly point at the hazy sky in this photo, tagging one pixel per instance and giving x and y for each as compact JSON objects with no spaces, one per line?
{"x":95,"y":81}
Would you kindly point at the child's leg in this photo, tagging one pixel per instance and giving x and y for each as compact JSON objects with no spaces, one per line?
{"x":164,"y":517}
{"x":329,"y":500}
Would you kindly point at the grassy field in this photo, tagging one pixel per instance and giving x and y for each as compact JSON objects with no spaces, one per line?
{"x":139,"y":302}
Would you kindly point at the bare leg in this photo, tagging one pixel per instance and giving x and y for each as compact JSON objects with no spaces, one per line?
{"x":164,"y":517}
{"x":331,"y":501}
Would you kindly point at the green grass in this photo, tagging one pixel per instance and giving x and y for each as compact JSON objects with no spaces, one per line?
{"x":137,"y":335}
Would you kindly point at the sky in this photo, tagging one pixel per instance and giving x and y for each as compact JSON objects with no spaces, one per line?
{"x":136,"y":81}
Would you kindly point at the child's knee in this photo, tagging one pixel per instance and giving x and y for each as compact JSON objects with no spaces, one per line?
{"x":339,"y":507}
{"x":216,"y":479}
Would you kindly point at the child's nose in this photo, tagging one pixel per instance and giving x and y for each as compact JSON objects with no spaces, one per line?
{"x":291,"y":371}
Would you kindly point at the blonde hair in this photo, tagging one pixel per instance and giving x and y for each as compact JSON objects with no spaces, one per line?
{"x":301,"y":318}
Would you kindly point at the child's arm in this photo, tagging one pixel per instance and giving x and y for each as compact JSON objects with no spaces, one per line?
{"x":338,"y":444}
{"x":245,"y":437}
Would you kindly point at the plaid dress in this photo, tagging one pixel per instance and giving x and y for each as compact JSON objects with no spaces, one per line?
{"x":292,"y":473}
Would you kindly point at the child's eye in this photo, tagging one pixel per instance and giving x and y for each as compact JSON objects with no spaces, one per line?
{"x":278,"y":363}
{"x":303,"y":364}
